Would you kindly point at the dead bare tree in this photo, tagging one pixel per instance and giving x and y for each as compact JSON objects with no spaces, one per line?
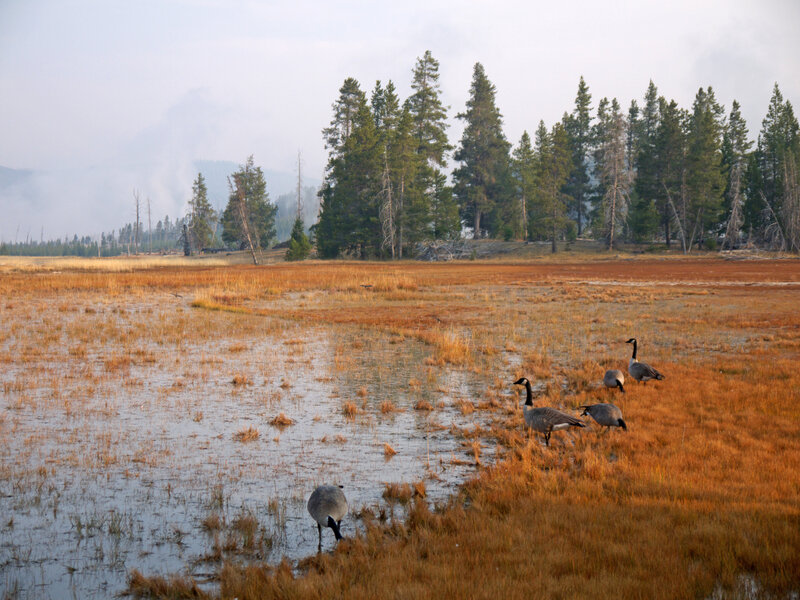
{"x":149,"y":229}
{"x":616,"y":176}
{"x":686,"y":243}
{"x":790,"y":207}
{"x":137,"y":201}
{"x":387,"y":209}
{"x":299,"y":188}
{"x":736,"y":218}
{"x":243,"y":213}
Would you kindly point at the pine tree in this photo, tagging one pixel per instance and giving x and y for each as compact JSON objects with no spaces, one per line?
{"x":482,"y":182}
{"x":428,"y":127}
{"x":350,"y":209}
{"x":524,"y":173}
{"x":404,"y":163}
{"x":613,"y":171}
{"x":735,"y":147}
{"x":705,"y":181}
{"x":428,"y":114}
{"x":344,"y":113}
{"x":778,"y":156}
{"x":647,"y":184}
{"x":201,"y":215}
{"x":552,"y":168}
{"x":579,"y":129}
{"x":299,"y":246}
{"x":249,"y":216}
{"x":669,"y":162}
{"x":332,"y":229}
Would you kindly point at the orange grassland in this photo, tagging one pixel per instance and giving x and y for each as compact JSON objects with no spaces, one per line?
{"x":700,"y":498}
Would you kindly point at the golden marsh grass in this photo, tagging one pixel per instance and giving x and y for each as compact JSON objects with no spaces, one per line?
{"x":698,"y":497}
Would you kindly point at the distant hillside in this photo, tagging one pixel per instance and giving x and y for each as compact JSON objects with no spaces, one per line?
{"x":14,"y":177}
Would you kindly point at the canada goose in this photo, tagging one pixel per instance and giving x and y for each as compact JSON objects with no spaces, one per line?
{"x":641,"y":371}
{"x":614,"y":378}
{"x":544,"y":419}
{"x":327,"y":505}
{"x":605,"y":414}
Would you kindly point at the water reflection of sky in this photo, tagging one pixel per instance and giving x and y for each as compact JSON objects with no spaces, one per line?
{"x":125,"y":477}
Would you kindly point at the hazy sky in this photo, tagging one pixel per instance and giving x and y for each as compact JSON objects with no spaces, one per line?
{"x":109,"y":95}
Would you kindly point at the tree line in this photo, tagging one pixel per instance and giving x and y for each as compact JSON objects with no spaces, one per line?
{"x":655,"y":173}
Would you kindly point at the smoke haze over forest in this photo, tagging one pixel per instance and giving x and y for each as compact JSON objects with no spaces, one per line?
{"x":100,"y":98}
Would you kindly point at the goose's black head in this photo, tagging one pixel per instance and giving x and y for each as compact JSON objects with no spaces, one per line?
{"x":631,"y":341}
{"x":521,"y":381}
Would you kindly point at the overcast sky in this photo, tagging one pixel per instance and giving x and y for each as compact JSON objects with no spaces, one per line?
{"x":107,"y":95}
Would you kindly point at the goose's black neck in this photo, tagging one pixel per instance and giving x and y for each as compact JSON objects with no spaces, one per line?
{"x":634,"y":349}
{"x":529,"y":392}
{"x":335,"y":526}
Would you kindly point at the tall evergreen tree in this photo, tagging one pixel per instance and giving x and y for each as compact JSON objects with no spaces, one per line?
{"x":647,"y":177}
{"x":482,"y":181}
{"x":344,"y":113}
{"x":349,"y":218}
{"x":613,"y":171}
{"x":424,"y":195}
{"x":201,"y":215}
{"x":778,"y":156}
{"x":428,"y":114}
{"x":249,"y":212}
{"x":735,"y":148}
{"x":524,"y":172}
{"x":579,"y":129}
{"x":705,"y":181}
{"x":553,"y":160}
{"x":669,"y":162}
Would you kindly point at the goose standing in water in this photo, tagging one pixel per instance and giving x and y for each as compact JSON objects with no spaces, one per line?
{"x":641,"y":371}
{"x":614,"y":378}
{"x":544,"y":419}
{"x":328,"y":506}
{"x":605,"y":414}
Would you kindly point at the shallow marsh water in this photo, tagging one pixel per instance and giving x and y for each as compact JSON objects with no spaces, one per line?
{"x":124,"y":443}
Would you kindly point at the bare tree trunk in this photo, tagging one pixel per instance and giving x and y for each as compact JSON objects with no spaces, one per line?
{"x":299,"y":189}
{"x":244,"y":218}
{"x":735,"y":219}
{"x":386,"y":211}
{"x":790,"y":207}
{"x":477,"y":230}
{"x":613,"y":207}
{"x":137,"y":202}
{"x":149,"y":229}
{"x":677,"y":219}
{"x":524,"y":203}
{"x":553,"y":247}
{"x":400,"y":216}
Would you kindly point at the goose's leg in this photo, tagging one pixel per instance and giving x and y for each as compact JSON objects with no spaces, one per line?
{"x":319,"y":529}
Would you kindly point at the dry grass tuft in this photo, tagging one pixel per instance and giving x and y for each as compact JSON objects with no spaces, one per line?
{"x":388,"y":451}
{"x":246,"y":434}
{"x":387,"y":406}
{"x":174,"y":587}
{"x":423,"y":405}
{"x":350,"y":410}
{"x":281,"y":421}
{"x":212,"y":522}
{"x":241,"y":379}
{"x":398,"y":492}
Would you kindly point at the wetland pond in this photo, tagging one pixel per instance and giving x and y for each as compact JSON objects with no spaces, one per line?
{"x":136,"y":438}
